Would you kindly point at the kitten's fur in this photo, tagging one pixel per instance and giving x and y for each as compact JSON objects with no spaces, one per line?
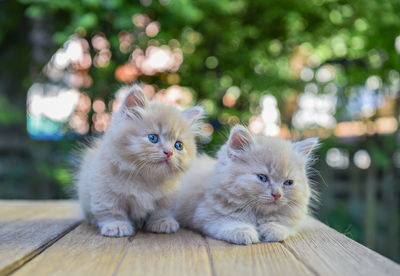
{"x":125,"y":179}
{"x":225,"y":199}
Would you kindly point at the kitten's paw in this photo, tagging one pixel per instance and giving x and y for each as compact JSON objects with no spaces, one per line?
{"x":117,"y":229}
{"x":273,"y":232}
{"x":244,"y":235}
{"x":164,"y":225}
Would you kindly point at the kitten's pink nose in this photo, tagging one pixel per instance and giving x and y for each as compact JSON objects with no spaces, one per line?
{"x":276,"y":196}
{"x":168,"y":153}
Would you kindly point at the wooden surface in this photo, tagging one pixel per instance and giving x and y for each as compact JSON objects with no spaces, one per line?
{"x":47,"y":238}
{"x":27,"y":228}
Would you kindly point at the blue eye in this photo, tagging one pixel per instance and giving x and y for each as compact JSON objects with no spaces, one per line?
{"x":178,"y":145}
{"x":288,"y":182}
{"x":153,"y":138}
{"x":262,"y":177}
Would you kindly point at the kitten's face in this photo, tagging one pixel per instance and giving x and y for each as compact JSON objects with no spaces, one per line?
{"x":265,"y":173}
{"x":156,"y":139}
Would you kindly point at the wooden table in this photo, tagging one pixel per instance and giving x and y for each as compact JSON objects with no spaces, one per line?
{"x":48,"y":238}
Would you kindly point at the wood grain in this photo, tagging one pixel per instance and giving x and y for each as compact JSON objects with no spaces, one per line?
{"x":84,"y":251}
{"x":183,"y":253}
{"x":27,"y":228}
{"x":49,"y":228}
{"x":327,"y":252}
{"x":257,"y":259}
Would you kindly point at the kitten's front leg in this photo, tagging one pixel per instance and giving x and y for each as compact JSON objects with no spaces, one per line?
{"x":116,"y":228}
{"x":112,"y":221}
{"x":162,"y":225}
{"x":161,"y":220}
{"x":273,"y":231}
{"x":232,"y":231}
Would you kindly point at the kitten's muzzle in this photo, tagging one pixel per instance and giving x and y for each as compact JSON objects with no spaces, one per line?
{"x":276,"y":196}
{"x":168,"y":153}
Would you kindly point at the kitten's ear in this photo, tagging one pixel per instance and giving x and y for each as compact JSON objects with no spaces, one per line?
{"x":240,"y":138}
{"x":135,"y":101}
{"x":194,"y":114}
{"x":305,"y":147}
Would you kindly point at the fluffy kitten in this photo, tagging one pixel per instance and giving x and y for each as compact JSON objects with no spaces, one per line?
{"x":256,"y":190}
{"x":131,"y":174}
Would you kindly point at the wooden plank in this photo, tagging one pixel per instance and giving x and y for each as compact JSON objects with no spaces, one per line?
{"x":328,"y":252}
{"x":184,"y":253}
{"x":84,"y":251}
{"x":28,"y":227}
{"x":258,"y":259}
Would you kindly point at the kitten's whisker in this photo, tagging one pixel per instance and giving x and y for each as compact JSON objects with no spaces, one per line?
{"x":243,"y":208}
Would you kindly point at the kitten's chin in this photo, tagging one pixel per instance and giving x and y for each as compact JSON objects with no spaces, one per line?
{"x":270,"y":206}
{"x":165,"y":163}
{"x":167,"y":166}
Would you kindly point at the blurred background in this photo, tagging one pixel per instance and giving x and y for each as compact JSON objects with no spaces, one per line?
{"x":288,"y":68}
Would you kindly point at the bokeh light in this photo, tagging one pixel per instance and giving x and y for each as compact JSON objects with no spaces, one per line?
{"x":231,"y":96}
{"x":337,"y":158}
{"x":152,"y":29}
{"x":48,"y":108}
{"x":362,"y":159}
{"x":126,"y":73}
{"x":315,"y":110}
{"x":140,"y":20}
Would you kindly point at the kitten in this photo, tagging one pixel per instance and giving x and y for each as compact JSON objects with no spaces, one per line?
{"x":131,"y":174}
{"x":256,"y":190}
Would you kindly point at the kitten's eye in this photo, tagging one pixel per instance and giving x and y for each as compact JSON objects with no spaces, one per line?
{"x":262,"y":177}
{"x":153,"y":138}
{"x":178,"y":145}
{"x":288,"y":182}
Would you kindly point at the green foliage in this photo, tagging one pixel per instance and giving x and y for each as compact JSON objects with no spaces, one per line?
{"x":251,"y":42}
{"x":9,"y":114}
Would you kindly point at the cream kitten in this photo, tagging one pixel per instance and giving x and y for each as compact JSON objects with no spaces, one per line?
{"x":131,"y":174}
{"x":256,"y":190}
